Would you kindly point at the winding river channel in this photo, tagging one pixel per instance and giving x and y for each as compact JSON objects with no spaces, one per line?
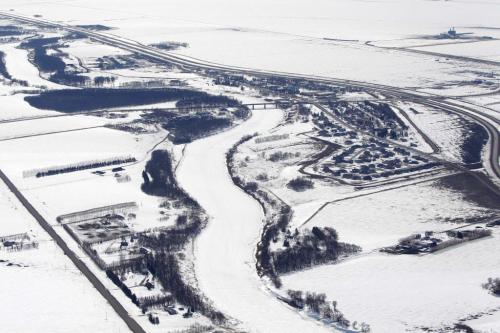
{"x":224,"y":252}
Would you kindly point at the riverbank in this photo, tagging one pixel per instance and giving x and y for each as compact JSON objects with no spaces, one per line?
{"x":225,"y":250}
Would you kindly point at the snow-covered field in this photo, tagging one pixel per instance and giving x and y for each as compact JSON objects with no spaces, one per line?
{"x":277,"y":36}
{"x":224,"y":252}
{"x":67,"y":193}
{"x":375,"y":218}
{"x":407,"y":293}
{"x":487,"y":50}
{"x":327,"y":38}
{"x":43,"y":287}
{"x":71,"y":147}
{"x":446,"y":130}
{"x":14,"y":107}
{"x":20,"y":68}
{"x":380,"y":219}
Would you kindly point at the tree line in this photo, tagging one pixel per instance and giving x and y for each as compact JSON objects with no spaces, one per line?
{"x":82,"y":166}
{"x":87,"y":99}
{"x":308,"y":248}
{"x":165,"y":267}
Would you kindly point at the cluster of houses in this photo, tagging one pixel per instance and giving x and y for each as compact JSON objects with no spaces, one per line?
{"x":18,"y":242}
{"x":279,"y":86}
{"x":374,"y":159}
{"x":431,"y":242}
{"x":376,"y":118}
{"x":414,"y":244}
{"x":365,"y":160}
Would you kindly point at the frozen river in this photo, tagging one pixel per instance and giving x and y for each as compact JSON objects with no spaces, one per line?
{"x":224,"y":252}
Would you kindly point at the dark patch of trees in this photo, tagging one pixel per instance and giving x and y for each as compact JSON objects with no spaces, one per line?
{"x":77,"y":100}
{"x":476,"y":138}
{"x":263,"y":177}
{"x":84,"y":166}
{"x":185,"y":129}
{"x":295,"y":299}
{"x":463,"y":328}
{"x":242,"y":112}
{"x":153,"y":319}
{"x":126,"y":290}
{"x":53,"y":63}
{"x":94,"y":27}
{"x":169,"y":46}
{"x":99,"y":81}
{"x":310,"y":248}
{"x":271,"y":229}
{"x":175,"y":238}
{"x":69,"y":79}
{"x":274,"y":225}
{"x":34,"y":43}
{"x":3,"y":67}
{"x":280,"y":156}
{"x":165,"y":267}
{"x":47,"y":63}
{"x":159,"y":179}
{"x":493,"y":285}
{"x":300,"y":184}
{"x":206,"y":100}
{"x":158,"y":116}
{"x":10,"y":30}
{"x":320,"y":307}
{"x":265,"y":257}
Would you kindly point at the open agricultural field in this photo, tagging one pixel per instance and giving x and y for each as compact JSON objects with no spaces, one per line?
{"x":49,"y":281}
{"x":220,"y":167}
{"x":275,"y":39}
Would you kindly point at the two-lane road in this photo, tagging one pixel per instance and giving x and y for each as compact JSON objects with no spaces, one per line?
{"x":119,"y":309}
{"x":440,"y":102}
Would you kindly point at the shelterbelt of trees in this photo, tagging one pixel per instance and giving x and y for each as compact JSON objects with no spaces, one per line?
{"x":88,"y":99}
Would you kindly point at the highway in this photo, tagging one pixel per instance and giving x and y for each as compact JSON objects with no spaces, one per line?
{"x":488,"y":121}
{"x":478,"y":117}
{"x":190,"y":62}
{"x":115,"y":304}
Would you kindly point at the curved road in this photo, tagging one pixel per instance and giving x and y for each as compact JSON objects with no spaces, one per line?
{"x":487,"y":120}
{"x":225,"y":262}
{"x":438,"y":54}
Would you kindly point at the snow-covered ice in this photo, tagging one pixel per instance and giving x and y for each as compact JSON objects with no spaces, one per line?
{"x":224,"y":252}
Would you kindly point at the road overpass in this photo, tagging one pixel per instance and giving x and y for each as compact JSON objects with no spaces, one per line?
{"x":488,"y":121}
